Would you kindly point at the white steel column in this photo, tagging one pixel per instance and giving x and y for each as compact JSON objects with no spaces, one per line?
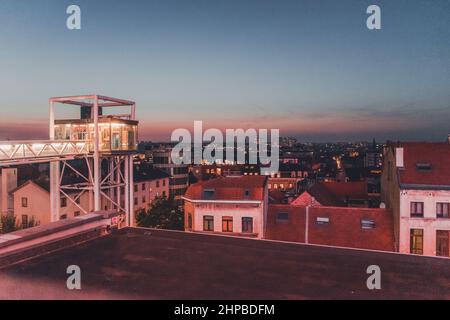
{"x":131,"y":202}
{"x":127,"y":190}
{"x":97,"y":173}
{"x":54,"y":172}
{"x":118,"y":182}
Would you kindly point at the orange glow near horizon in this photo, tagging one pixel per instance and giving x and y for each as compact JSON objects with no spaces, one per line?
{"x":161,"y":129}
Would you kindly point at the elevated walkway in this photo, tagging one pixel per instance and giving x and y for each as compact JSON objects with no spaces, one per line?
{"x":23,"y":152}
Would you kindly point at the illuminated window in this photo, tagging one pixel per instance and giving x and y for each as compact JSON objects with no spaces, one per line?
{"x":416,"y":241}
{"x":227,"y":224}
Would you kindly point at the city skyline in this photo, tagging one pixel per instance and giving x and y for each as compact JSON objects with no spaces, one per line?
{"x":311,"y":69}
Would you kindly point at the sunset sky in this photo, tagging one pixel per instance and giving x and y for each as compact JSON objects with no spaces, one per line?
{"x":308,"y":67}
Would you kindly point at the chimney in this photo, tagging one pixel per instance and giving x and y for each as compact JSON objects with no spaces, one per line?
{"x":399,"y":157}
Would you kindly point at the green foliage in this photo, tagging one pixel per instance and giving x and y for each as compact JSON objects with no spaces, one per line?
{"x":9,"y":223}
{"x":164,"y":214}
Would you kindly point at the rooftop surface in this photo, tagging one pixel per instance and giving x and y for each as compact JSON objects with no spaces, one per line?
{"x":150,"y":264}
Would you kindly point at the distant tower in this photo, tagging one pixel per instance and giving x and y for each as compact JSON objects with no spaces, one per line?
{"x":102,"y":141}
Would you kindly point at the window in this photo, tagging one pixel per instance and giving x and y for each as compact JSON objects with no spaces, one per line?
{"x":247,"y":193}
{"x":322,"y":220}
{"x":164,"y":183}
{"x":190,"y":221}
{"x":63,"y":217}
{"x":24,"y":202}
{"x":24,"y":221}
{"x":416,"y":241}
{"x":227,"y":224}
{"x":136,"y":201}
{"x":77,"y":200}
{"x":157,"y":184}
{"x":367,"y":224}
{"x":63,"y":202}
{"x":283,"y":216}
{"x":144,"y":199}
{"x":417,"y":209}
{"x":423,"y":166}
{"x":208,"y":223}
{"x":443,"y":210}
{"x":208,"y":193}
{"x":76,"y":213}
{"x":144,"y":187}
{"x":136,"y":188}
{"x":442,"y":243}
{"x":247,"y":225}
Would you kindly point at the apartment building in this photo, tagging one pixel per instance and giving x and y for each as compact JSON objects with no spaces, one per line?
{"x":149,"y":183}
{"x":416,"y":187}
{"x":235,"y":205}
{"x":179,"y":173}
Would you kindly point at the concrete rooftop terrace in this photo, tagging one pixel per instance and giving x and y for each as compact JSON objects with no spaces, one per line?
{"x":151,"y":264}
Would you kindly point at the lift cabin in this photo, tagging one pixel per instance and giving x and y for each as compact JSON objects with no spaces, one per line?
{"x":110,"y":140}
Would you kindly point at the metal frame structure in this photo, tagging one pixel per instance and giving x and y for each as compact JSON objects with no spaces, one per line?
{"x":102,"y":187}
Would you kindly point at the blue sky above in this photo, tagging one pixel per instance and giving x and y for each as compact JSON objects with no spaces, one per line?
{"x":310,"y":68}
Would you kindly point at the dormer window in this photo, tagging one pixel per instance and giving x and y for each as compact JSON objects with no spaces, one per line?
{"x":367,"y":224}
{"x":423,"y":166}
{"x":209,"y":193}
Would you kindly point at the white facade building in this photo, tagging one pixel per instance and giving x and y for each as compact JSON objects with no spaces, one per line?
{"x":416,"y":186}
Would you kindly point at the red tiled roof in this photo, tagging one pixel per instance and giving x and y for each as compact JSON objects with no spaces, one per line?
{"x":343,"y":230}
{"x":228,"y":188}
{"x":336,"y":193}
{"x":436,"y":154}
{"x":276,"y":196}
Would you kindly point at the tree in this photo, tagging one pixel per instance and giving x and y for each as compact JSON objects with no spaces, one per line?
{"x":9,"y":223}
{"x":163,"y":214}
